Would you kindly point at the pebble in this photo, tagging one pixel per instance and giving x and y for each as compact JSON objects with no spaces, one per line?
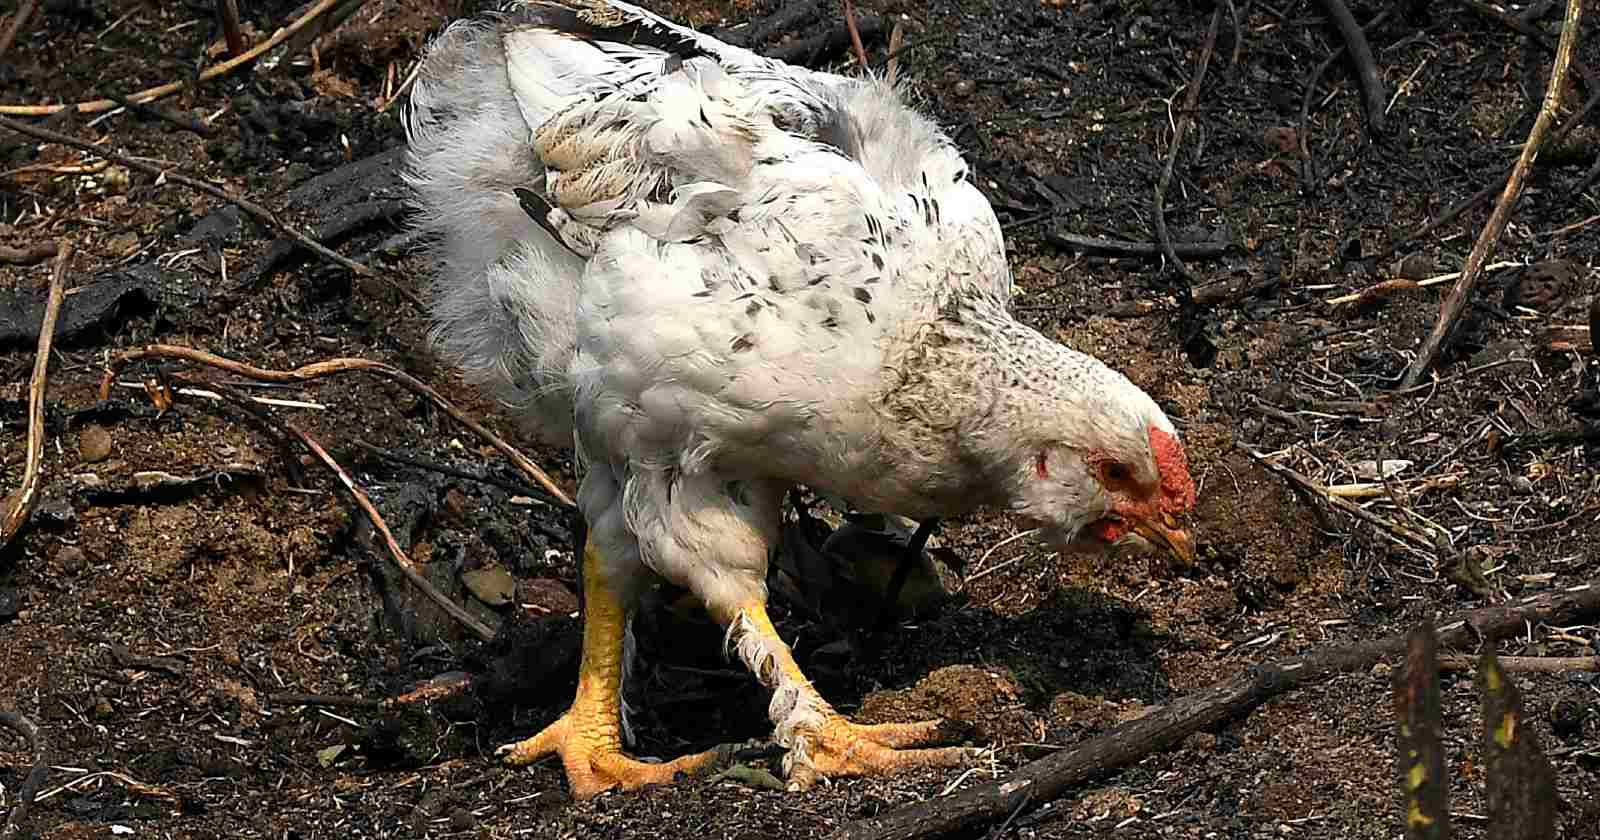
{"x":94,"y":444}
{"x":57,"y":514}
{"x":1281,"y":139}
{"x":549,"y":593}
{"x":72,"y":559}
{"x":462,"y":820}
{"x":492,"y":585}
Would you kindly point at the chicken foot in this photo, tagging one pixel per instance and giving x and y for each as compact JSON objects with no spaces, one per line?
{"x":588,"y":737}
{"x":821,"y":742}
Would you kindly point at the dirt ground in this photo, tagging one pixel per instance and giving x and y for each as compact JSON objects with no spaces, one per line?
{"x":255,"y":578}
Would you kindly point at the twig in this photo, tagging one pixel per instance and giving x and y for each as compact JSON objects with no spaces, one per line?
{"x":789,"y":15}
{"x":1386,"y":287}
{"x":1308,"y":165}
{"x":1490,"y":235}
{"x":407,"y":568}
{"x":1533,"y":33}
{"x":332,"y":701}
{"x":443,"y":469}
{"x":29,"y":255}
{"x":260,"y":213}
{"x":808,"y":51}
{"x":1404,"y":533}
{"x":186,"y":123}
{"x":1526,"y":664}
{"x":98,"y":105}
{"x":1128,"y":248}
{"x":318,"y":370}
{"x":19,"y":18}
{"x":20,"y":724}
{"x":1191,"y":97}
{"x":1361,"y":56}
{"x":897,"y":39}
{"x":1047,"y":778}
{"x":403,"y":562}
{"x":855,"y":35}
{"x":22,"y":502}
{"x":228,"y":17}
{"x":442,"y":687}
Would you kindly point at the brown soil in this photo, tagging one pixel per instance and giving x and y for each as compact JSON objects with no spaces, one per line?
{"x":260,"y":586}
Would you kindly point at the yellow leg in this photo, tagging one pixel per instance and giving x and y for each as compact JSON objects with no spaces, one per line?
{"x":589,"y":736}
{"x":821,"y":741}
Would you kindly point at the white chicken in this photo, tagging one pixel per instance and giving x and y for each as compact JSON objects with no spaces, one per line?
{"x":719,"y":277}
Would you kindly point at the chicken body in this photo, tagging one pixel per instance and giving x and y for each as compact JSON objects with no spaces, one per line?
{"x":719,"y":277}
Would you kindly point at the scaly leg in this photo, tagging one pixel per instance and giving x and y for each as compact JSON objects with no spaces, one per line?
{"x":821,"y":741}
{"x":589,"y":736}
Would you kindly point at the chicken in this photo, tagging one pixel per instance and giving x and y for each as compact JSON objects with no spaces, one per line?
{"x":719,"y":277}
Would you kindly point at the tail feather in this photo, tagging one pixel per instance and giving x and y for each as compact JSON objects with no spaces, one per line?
{"x":505,"y":294}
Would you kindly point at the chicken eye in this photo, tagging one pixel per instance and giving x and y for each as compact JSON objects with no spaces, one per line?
{"x":1117,"y":472}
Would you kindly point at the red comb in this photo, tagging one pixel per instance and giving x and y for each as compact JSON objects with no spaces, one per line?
{"x":1177,"y":488}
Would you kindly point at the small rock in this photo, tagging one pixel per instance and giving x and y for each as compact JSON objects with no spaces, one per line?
{"x":1280,"y":139}
{"x":1542,"y":286}
{"x":455,"y":504}
{"x":10,"y":603}
{"x":1416,"y":267}
{"x":94,"y":444}
{"x":462,"y":820}
{"x":72,"y":559}
{"x":492,"y":585}
{"x":123,"y":244}
{"x":433,"y":803}
{"x":548,"y":593}
{"x":115,"y":180}
{"x":55,"y":514}
{"x":1568,"y":714}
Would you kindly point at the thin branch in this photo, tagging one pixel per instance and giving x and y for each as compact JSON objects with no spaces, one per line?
{"x":1046,"y":779}
{"x":1355,"y":41}
{"x":318,"y":370}
{"x":897,"y":39}
{"x":789,"y":15}
{"x":98,"y":105}
{"x":23,"y":500}
{"x":1190,"y":99}
{"x":855,"y":35}
{"x":258,"y":212}
{"x":28,"y":255}
{"x":228,"y":17}
{"x":18,"y":19}
{"x":1384,"y":288}
{"x":12,"y":828}
{"x":1127,"y":248}
{"x":1428,"y":354}
{"x":407,"y":568}
{"x":1526,"y":664}
{"x":1404,"y":533}
{"x":1308,"y":172}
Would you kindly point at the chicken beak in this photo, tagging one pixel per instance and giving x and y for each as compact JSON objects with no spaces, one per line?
{"x":1168,"y":535}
